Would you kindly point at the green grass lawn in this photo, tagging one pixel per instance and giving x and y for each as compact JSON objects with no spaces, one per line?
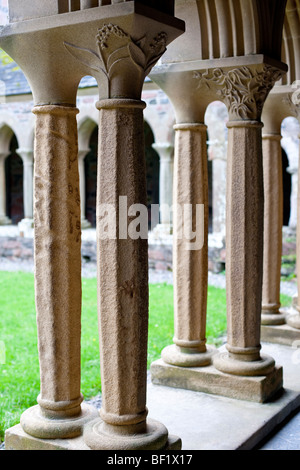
{"x":19,"y":370}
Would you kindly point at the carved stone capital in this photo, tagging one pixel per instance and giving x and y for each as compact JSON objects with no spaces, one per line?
{"x":123,"y":61}
{"x":243,"y":89}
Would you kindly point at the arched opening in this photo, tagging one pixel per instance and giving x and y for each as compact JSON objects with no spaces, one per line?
{"x":90,"y":169}
{"x":152,"y":170}
{"x":14,"y":184}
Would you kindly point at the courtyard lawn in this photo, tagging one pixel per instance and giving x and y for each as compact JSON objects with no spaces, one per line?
{"x":19,"y":368}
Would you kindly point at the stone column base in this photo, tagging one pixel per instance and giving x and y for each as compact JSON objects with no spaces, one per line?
{"x":85,"y":224}
{"x":280,"y":334}
{"x":17,"y":439}
{"x":4,"y":220}
{"x":210,"y":380}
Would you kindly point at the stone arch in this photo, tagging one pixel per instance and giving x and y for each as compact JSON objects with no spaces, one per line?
{"x":6,"y":135}
{"x":86,"y":127}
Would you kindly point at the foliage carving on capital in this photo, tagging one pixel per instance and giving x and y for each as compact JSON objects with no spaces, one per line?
{"x":118,"y":53}
{"x":243,"y":89}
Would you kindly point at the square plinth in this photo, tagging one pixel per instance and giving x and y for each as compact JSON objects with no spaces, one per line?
{"x":17,"y":439}
{"x":210,"y":380}
{"x":280,"y":334}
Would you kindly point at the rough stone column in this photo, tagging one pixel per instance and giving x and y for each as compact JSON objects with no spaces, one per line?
{"x":122,"y":232}
{"x":4,"y":220}
{"x":190,"y":264}
{"x":59,"y":413}
{"x":27,"y":158}
{"x":122,"y":285}
{"x":166,"y":170}
{"x":273,"y":220}
{"x":81,"y":156}
{"x":245,"y":219}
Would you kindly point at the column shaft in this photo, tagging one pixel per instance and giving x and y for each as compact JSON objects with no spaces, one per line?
{"x":166,"y":170}
{"x":123,"y":266}
{"x":122,"y":283}
{"x":244,"y":251}
{"x":4,"y":220}
{"x":294,"y":320}
{"x":190,"y":265}
{"x":273,"y":221}
{"x":57,"y":248}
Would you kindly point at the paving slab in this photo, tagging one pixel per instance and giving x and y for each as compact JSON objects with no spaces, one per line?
{"x":210,"y":422}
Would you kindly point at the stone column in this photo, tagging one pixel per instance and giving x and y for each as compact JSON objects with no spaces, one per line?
{"x":219,"y":168}
{"x":123,"y":286}
{"x":122,"y":248}
{"x":190,"y":263}
{"x":166,"y":170}
{"x":27,"y":158}
{"x":59,"y":413}
{"x":27,"y":223}
{"x":294,"y":320}
{"x":273,"y":221}
{"x":293,"y":170}
{"x":244,"y":224}
{"x":81,"y":156}
{"x":4,"y":220}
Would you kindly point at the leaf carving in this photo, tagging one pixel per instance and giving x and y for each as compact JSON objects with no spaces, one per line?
{"x":86,"y":56}
{"x":137,"y":55}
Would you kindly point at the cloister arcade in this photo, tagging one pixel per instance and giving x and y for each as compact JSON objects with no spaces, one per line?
{"x":242,"y":54}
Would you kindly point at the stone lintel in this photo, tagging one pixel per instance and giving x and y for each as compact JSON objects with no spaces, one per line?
{"x":210,"y":380}
{"x":51,"y":19}
{"x":226,"y":63}
{"x":17,"y":439}
{"x":280,"y":334}
{"x":82,"y":43}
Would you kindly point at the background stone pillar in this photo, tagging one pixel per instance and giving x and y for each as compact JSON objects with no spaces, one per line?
{"x":244,"y":224}
{"x":57,"y":243}
{"x":294,"y":320}
{"x":166,"y":170}
{"x":81,"y":156}
{"x":26,"y":225}
{"x":190,"y":266}
{"x":273,"y":221}
{"x":4,"y":220}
